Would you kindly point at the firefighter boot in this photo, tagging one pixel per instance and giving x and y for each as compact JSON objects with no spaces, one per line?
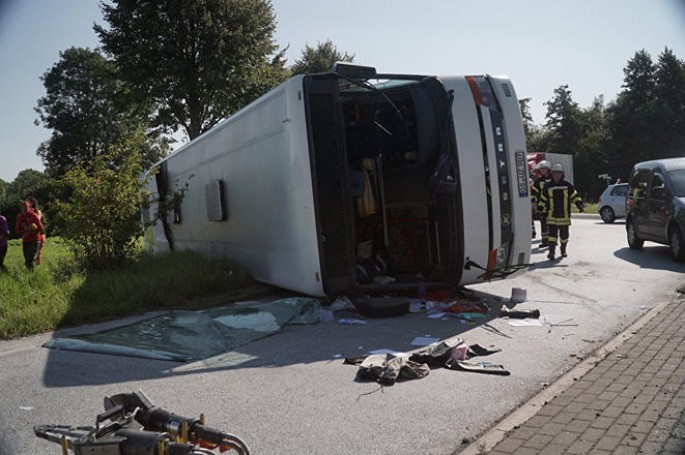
{"x":544,"y":240}
{"x":563,"y":250}
{"x":552,"y":247}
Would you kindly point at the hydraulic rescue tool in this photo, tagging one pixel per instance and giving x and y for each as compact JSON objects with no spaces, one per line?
{"x":132,"y":425}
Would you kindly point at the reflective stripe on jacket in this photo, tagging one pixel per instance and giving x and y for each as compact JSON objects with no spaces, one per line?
{"x":556,"y":199}
{"x":538,"y":184}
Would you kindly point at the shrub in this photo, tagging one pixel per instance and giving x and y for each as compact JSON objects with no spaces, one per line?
{"x":102,"y":217}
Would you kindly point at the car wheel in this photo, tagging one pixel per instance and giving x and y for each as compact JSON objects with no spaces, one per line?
{"x":634,"y":242}
{"x":677,"y":245}
{"x":607,"y":214}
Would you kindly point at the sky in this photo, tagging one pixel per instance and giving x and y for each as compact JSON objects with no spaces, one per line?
{"x":539,"y":44}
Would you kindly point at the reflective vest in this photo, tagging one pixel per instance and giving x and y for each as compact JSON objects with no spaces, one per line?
{"x":556,"y":199}
{"x":538,"y":185}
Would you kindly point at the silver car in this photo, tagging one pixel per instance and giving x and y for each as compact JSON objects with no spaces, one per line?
{"x":612,"y":202}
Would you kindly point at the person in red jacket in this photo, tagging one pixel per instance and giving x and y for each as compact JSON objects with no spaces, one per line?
{"x":30,"y":228}
{"x":34,"y":205}
{"x":4,"y":235}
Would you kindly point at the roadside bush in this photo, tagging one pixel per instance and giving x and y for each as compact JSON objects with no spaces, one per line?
{"x":102,"y":216}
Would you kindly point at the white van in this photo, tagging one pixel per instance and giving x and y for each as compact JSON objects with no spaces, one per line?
{"x":353,"y":180}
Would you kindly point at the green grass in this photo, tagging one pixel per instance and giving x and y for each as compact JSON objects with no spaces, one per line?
{"x":58,"y":294}
{"x":590,"y":207}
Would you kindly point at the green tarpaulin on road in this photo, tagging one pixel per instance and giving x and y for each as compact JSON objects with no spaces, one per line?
{"x":186,"y":336}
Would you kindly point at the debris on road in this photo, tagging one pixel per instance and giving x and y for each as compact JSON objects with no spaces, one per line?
{"x":184,"y":336}
{"x":519,"y":314}
{"x":424,"y":341}
{"x":518,"y":295}
{"x":386,"y":369}
{"x":349,"y":321}
{"x":451,"y":353}
{"x":382,"y":307}
{"x":481,"y":367}
{"x":528,"y":322}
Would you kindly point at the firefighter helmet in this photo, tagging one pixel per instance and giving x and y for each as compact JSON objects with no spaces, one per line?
{"x":558,"y":168}
{"x":544,"y":164}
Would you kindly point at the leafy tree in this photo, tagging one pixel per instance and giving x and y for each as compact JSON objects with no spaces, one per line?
{"x":539,"y":139}
{"x":102,"y":216}
{"x":29,"y":182}
{"x":646,"y":121}
{"x":590,"y":159}
{"x":87,"y":109}
{"x":669,"y":76}
{"x":638,"y":82}
{"x":670,"y":96}
{"x":524,"y":105}
{"x":320,"y":58}
{"x":633,"y":132}
{"x":198,"y":61}
{"x":581,"y":133}
{"x":563,"y":120}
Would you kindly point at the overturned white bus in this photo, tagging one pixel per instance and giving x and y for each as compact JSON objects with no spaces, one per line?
{"x":353,"y":180}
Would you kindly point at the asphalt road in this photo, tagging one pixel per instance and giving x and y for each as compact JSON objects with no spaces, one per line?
{"x":291,"y":393}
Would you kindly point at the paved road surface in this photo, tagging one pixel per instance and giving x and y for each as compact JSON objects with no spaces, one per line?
{"x":290,"y":393}
{"x":626,"y":399}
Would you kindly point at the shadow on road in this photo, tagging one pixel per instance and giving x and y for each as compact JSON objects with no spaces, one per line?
{"x":541,"y":262}
{"x":621,"y":222}
{"x":548,"y":264}
{"x":325,"y":341}
{"x":651,"y":256}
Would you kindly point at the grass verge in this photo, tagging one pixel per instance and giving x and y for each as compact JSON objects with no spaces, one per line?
{"x":58,"y":294}
{"x":590,"y":207}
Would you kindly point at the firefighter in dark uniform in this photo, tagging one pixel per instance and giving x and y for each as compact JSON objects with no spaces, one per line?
{"x":534,"y":206}
{"x":538,"y":210}
{"x":556,"y":197}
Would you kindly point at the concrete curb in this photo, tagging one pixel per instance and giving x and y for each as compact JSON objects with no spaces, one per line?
{"x":497,"y":433}
{"x":586,"y":215}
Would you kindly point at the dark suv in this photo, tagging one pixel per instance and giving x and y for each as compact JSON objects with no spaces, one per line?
{"x":656,"y":205}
